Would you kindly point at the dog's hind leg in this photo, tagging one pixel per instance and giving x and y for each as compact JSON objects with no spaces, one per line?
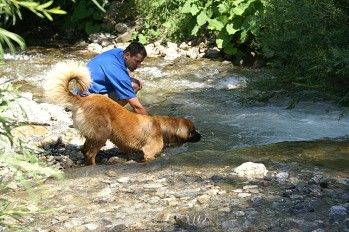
{"x":90,"y":149}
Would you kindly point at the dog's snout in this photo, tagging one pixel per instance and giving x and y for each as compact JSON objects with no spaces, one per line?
{"x":194,"y":137}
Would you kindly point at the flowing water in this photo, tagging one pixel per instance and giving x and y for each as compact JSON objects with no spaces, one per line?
{"x":308,"y":138}
{"x":205,"y":91}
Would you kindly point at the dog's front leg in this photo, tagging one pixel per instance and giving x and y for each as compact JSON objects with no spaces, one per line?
{"x":148,"y":157}
{"x":152,"y":150}
{"x":90,"y":149}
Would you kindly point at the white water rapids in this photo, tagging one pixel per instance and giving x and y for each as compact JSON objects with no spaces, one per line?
{"x":207,"y":92}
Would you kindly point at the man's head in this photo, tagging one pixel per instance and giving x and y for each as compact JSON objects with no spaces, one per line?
{"x":134,"y":55}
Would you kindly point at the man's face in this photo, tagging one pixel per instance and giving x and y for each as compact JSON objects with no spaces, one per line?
{"x":133,"y":62}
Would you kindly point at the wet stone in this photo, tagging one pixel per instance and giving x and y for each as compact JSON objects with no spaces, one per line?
{"x":338,"y":213}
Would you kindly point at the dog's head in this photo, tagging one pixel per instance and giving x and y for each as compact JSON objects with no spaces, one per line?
{"x":177,"y":131}
{"x":186,"y":131}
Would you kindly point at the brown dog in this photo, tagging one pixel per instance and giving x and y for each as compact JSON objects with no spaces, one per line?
{"x":98,"y":118}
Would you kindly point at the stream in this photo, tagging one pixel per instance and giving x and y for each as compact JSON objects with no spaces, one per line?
{"x":206,"y":92}
{"x":305,"y":141}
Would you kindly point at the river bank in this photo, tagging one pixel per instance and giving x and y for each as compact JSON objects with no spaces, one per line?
{"x":301,"y":157}
{"x":188,"y":191}
{"x":165,"y":196}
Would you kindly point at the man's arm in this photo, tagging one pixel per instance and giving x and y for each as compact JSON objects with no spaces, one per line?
{"x":137,"y":106}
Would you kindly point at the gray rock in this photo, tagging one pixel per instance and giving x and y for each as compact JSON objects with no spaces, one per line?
{"x":251,"y":170}
{"x":121,"y":27}
{"x":338,"y":213}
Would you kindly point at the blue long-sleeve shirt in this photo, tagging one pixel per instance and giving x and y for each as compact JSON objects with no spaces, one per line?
{"x":109,"y":73}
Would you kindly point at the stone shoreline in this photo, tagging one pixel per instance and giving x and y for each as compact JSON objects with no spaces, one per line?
{"x":168,"y":194}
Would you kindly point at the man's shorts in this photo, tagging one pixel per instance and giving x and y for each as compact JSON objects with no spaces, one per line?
{"x":113,"y":95}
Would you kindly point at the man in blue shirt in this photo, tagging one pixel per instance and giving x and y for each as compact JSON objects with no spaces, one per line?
{"x":110,"y":76}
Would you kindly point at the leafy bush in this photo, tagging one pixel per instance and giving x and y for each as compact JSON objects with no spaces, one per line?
{"x":160,"y":19}
{"x":307,"y":44}
{"x":86,"y":16}
{"x":19,"y":160}
{"x":233,"y":23}
{"x":11,"y":10}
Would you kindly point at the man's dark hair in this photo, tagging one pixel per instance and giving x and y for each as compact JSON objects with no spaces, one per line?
{"x":136,"y":47}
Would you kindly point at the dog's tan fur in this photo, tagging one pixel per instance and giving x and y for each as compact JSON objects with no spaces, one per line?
{"x":98,"y":118}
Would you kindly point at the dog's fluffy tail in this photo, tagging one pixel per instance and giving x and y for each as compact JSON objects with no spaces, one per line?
{"x":57,"y":85}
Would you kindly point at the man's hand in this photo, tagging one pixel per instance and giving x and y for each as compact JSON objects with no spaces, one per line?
{"x":138,"y":82}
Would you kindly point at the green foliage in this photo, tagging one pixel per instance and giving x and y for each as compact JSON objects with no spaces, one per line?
{"x":41,"y":10}
{"x":160,"y":19}
{"x":307,"y":44}
{"x":86,"y":16}
{"x":10,"y":10}
{"x":233,"y":23}
{"x":19,"y":159}
{"x":7,"y":38}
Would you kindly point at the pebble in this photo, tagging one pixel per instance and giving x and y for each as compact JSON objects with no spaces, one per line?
{"x":282,"y":177}
{"x":111,"y":173}
{"x":244,"y":195}
{"x":204,"y":199}
{"x":123,"y":180}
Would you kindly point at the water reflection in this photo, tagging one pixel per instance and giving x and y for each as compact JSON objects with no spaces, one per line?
{"x":322,"y":154}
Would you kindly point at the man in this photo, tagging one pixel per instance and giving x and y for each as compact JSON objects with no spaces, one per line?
{"x":110,"y":76}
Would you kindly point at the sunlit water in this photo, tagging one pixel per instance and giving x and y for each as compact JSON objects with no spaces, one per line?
{"x":305,"y":140}
{"x":208,"y":93}
{"x":204,"y":91}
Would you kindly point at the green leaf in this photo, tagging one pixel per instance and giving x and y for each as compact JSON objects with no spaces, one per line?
{"x":44,"y":6}
{"x":194,"y":10}
{"x":48,"y":16}
{"x":223,"y":38}
{"x":81,"y":12}
{"x":238,"y":10}
{"x":98,"y":5}
{"x":201,"y":18}
{"x":223,"y":8}
{"x":214,"y":24}
{"x":244,"y":36}
{"x":57,"y":10}
{"x":195,"y":30}
{"x":28,"y":4}
{"x":219,"y":43}
{"x":97,"y":16}
{"x":186,"y":7}
{"x":237,"y":22}
{"x":167,"y":24}
{"x":208,"y":4}
{"x":230,"y":29}
{"x":259,"y":5}
{"x":230,"y":49}
{"x":237,"y":2}
{"x":142,"y":38}
{"x":209,"y":12}
{"x":36,"y":12}
{"x":6,"y":37}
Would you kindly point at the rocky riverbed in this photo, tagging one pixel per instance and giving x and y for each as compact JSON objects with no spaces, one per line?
{"x":236,"y":190}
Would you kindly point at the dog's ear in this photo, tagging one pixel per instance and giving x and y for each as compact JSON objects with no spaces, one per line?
{"x":186,"y":131}
{"x":184,"y":128}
